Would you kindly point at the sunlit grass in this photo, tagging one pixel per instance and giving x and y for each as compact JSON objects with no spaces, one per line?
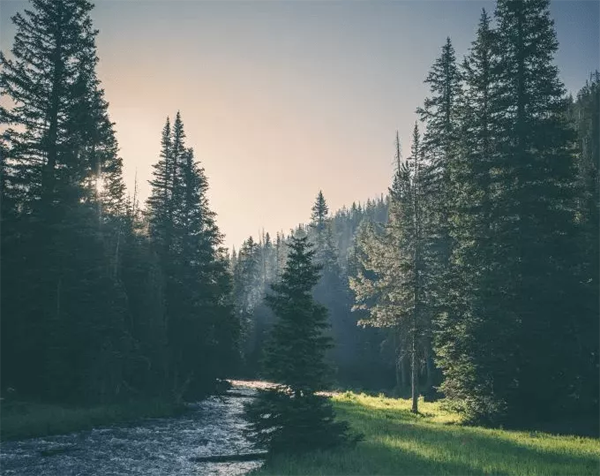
{"x":26,"y":420}
{"x":434,"y":442}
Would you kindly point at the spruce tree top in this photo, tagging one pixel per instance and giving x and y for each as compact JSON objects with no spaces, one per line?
{"x":320,"y":212}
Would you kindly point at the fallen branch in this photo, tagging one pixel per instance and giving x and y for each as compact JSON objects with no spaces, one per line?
{"x":227,"y":458}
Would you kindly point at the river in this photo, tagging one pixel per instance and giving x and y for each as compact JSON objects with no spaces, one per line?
{"x":152,"y":447}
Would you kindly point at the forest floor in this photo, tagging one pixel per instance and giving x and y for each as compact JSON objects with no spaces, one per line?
{"x":20,"y":420}
{"x":434,"y":442}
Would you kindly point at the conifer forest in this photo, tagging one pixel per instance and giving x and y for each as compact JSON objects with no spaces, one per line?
{"x":462,"y":298}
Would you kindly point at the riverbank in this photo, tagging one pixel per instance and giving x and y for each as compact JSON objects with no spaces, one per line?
{"x":182,"y":445}
{"x":19,"y":420}
{"x":434,"y":442}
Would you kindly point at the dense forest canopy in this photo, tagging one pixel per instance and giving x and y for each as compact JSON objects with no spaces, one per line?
{"x":474,"y":277}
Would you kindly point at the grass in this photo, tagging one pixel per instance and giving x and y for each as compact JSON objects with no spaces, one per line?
{"x":19,"y":420}
{"x":434,"y":442}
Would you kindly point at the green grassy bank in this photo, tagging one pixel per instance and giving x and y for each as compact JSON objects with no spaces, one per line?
{"x":400,"y":443}
{"x":27,"y":420}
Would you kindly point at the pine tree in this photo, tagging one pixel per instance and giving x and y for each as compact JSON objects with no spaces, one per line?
{"x":320,"y":224}
{"x":61,"y":153}
{"x":247,"y":277}
{"x":586,"y":117}
{"x":291,"y":417}
{"x":141,"y":275}
{"x":391,"y":283}
{"x":382,"y":347}
{"x":249,"y":290}
{"x":159,"y":205}
{"x":361,"y":356}
{"x":439,"y":114}
{"x":332,"y":291}
{"x":204,"y":280}
{"x":270,"y":260}
{"x":464,"y":330}
{"x":533,"y":210}
{"x":201,"y":325}
{"x":281,"y":253}
{"x":515,"y":231}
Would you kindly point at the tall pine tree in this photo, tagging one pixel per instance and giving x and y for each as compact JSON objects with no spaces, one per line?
{"x":391,"y":283}
{"x":464,"y":349}
{"x":533,"y":216}
{"x":63,"y":175}
{"x":200,"y":323}
{"x":291,"y":417}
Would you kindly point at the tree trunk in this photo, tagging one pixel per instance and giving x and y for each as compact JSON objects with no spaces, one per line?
{"x":428,"y":368}
{"x":415,"y":392}
{"x":404,"y":376}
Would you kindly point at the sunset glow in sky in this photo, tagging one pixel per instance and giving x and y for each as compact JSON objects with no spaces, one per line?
{"x":281,"y":99}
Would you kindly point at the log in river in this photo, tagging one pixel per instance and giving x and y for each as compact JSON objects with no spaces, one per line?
{"x":230,"y":458}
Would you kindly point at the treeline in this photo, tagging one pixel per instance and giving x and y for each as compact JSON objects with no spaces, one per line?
{"x":101,"y":301}
{"x":486,"y":261}
{"x":488,"y":264}
{"x":475,"y":277}
{"x":360,"y":357}
{"x":478,"y":273}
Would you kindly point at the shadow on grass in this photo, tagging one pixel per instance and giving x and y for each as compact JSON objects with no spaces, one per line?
{"x":475,"y":448}
{"x":367,"y":458}
{"x":398,"y":442}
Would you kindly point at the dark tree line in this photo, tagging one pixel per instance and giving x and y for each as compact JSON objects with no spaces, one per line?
{"x":100,"y":301}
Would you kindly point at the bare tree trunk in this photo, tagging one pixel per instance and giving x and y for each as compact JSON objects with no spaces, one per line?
{"x":404,"y":376}
{"x":415,"y":392}
{"x":417,"y":282}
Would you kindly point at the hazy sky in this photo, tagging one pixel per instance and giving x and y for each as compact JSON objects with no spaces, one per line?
{"x":281,"y":99}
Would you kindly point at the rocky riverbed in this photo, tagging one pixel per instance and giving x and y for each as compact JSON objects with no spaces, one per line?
{"x":153,"y":447}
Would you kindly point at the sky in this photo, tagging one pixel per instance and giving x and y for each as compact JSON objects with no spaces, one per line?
{"x":281,"y":99}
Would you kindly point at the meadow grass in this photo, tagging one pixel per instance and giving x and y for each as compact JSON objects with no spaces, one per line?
{"x":397,"y":442}
{"x":20,"y":420}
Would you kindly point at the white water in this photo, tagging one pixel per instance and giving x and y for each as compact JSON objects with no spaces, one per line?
{"x":153,"y":447}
